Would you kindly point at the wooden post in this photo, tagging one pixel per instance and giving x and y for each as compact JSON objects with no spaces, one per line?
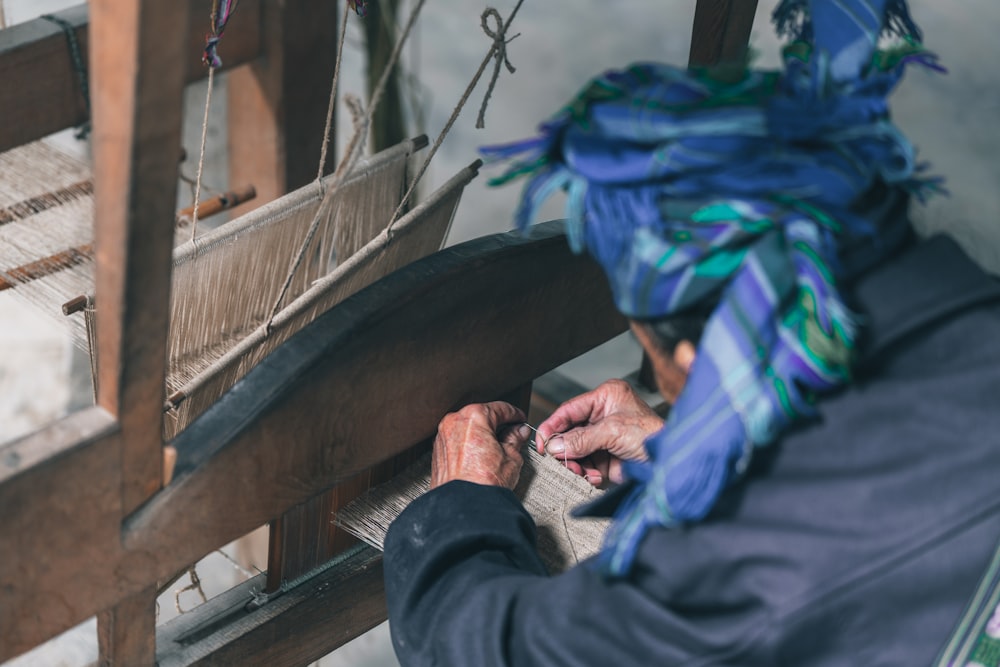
{"x":126,"y":634}
{"x":388,"y":127}
{"x":136,"y":55}
{"x":277,"y":104}
{"x":136,"y":58}
{"x":35,"y":61}
{"x":277,"y":114}
{"x":721,"y":31}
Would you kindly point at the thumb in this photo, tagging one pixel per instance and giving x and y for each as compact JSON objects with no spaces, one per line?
{"x":604,"y":435}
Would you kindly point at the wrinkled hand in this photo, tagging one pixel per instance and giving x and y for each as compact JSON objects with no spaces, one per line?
{"x":594,"y":432}
{"x":468,"y":447}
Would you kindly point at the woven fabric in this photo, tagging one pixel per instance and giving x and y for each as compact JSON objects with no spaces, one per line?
{"x":547,"y":489}
{"x":690,"y":188}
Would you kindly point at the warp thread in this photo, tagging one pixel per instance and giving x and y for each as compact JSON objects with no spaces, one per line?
{"x":45,"y":201}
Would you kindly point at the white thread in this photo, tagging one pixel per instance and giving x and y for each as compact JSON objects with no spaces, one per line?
{"x":201,"y":155}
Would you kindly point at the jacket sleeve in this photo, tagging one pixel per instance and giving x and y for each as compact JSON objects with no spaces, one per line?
{"x":465,"y":586}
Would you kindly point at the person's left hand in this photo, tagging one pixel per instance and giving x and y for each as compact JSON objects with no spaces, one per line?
{"x":468,"y":447}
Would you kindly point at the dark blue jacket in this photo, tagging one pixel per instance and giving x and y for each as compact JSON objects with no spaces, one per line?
{"x":856,"y":541}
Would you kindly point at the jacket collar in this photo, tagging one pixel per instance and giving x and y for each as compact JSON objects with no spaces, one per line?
{"x":927,"y":282}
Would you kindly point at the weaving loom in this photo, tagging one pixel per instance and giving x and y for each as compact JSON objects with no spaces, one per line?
{"x":396,"y":358}
{"x":225,"y":282}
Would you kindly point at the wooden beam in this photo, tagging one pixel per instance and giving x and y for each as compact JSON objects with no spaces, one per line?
{"x":137,"y":103}
{"x":60,"y":506}
{"x":302,"y":625}
{"x":138,"y":108}
{"x":277,"y":114}
{"x":126,"y":634}
{"x":35,"y":61}
{"x":380,"y":27}
{"x":469,"y":323}
{"x":277,"y":105}
{"x":721,"y":31}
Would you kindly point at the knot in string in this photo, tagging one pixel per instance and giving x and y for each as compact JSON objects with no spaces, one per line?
{"x":360,"y":7}
{"x":221,"y":13}
{"x":357,"y":110}
{"x":499,"y":54}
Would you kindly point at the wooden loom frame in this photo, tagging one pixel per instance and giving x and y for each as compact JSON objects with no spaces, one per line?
{"x":88,"y":526}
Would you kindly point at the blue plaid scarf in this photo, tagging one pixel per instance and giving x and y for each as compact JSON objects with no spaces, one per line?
{"x":688,"y":188}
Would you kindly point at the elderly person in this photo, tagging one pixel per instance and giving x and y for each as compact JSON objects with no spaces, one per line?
{"x":823,"y":491}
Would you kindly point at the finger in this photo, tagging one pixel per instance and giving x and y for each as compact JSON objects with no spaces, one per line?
{"x":514,"y":435}
{"x":573,"y":466}
{"x":602,"y":461}
{"x":498,"y":413}
{"x":684,"y":355}
{"x":616,"y":474}
{"x":582,"y":409}
{"x":605,"y":435}
{"x":591,"y":471}
{"x":589,"y":408}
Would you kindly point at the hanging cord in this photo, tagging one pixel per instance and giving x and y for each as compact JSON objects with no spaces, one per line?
{"x":193,"y":184}
{"x":195,"y":586}
{"x":333,"y":91}
{"x":351,"y":156}
{"x":201,"y":157}
{"x":221,"y":13}
{"x":497,"y":52}
{"x":78,"y":67}
{"x":356,"y":143}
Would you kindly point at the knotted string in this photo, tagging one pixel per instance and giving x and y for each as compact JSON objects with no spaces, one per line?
{"x":692,"y":191}
{"x":498,"y":51}
{"x":222,"y":11}
{"x":360,"y":7}
{"x":497,"y":38}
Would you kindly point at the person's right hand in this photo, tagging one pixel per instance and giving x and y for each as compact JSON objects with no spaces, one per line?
{"x":594,"y":432}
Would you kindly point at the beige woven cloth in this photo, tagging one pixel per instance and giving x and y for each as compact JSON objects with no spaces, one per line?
{"x":546,"y":488}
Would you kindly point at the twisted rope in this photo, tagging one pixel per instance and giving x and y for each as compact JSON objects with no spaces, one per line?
{"x":498,"y":51}
{"x":221,"y":13}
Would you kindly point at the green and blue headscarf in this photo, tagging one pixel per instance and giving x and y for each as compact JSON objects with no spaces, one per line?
{"x":691,"y":189}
